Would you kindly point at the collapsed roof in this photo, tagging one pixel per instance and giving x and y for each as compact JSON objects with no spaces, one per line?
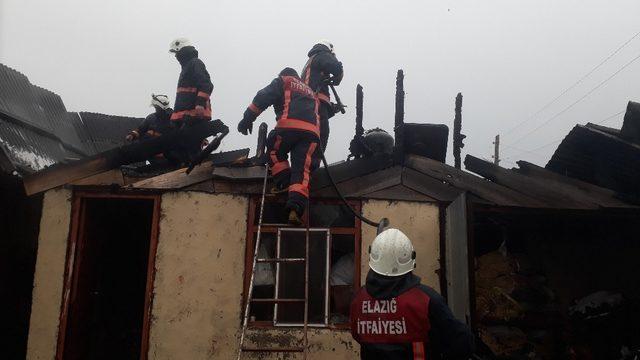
{"x":36,"y":131}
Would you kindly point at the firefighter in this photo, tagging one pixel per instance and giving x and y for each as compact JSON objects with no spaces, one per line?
{"x":394,"y":316}
{"x":193,"y":104}
{"x":156,"y":124}
{"x":297,"y":132}
{"x":321,"y":68}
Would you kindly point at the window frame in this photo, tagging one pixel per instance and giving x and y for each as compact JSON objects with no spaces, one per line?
{"x":252,"y":229}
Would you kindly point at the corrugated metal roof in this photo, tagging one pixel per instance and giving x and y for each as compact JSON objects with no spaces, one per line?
{"x":36,"y":130}
{"x":108,"y":131}
{"x":598,"y":156}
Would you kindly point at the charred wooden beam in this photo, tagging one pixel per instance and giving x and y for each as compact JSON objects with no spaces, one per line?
{"x":359,"y":99}
{"x":457,"y":135}
{"x":262,"y":140}
{"x":399,"y":118}
{"x":356,"y":147}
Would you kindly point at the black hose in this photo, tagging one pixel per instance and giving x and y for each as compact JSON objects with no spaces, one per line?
{"x":326,"y":167}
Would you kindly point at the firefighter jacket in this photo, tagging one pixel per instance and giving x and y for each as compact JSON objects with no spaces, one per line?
{"x":399,"y":318}
{"x":154,"y":125}
{"x":322,"y":64}
{"x":194,"y":86}
{"x":294,"y":103}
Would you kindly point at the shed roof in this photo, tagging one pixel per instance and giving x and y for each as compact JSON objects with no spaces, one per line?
{"x":417,"y":179}
{"x":600,"y":156}
{"x":36,"y":131}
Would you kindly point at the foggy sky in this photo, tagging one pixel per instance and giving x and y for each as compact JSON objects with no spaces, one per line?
{"x":508,"y":58}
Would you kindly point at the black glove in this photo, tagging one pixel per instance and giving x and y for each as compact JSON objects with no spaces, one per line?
{"x":245,"y":126}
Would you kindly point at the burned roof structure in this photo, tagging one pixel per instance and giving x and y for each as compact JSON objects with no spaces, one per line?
{"x":603,"y":156}
{"x":37,"y":131}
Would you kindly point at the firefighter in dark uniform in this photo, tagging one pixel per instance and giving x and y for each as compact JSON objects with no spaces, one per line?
{"x":193,"y":103}
{"x":156,"y":124}
{"x":297,"y":132}
{"x":323,"y":66}
{"x":394,"y":316}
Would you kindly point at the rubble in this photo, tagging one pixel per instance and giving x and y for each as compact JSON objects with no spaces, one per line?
{"x":514,"y":307}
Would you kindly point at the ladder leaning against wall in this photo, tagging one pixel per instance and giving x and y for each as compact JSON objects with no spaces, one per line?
{"x":245,"y":320}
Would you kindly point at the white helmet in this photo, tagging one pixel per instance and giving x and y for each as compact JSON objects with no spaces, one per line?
{"x":327,"y":43}
{"x":178,"y":44}
{"x":161,"y":101}
{"x":392,"y":254}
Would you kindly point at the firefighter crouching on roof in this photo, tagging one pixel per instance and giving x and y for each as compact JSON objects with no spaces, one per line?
{"x":394,"y":316}
{"x":156,"y":124}
{"x":193,"y":104}
{"x":321,"y":66}
{"x":297,"y":132}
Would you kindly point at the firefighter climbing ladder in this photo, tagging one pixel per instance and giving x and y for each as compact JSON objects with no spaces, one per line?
{"x":245,"y":320}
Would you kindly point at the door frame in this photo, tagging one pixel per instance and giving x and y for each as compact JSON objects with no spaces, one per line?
{"x":75,"y":244}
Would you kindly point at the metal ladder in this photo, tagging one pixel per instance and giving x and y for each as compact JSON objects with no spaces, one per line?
{"x":303,"y":349}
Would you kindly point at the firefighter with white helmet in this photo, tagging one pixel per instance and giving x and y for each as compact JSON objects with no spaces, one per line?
{"x":394,"y":316}
{"x":156,"y":124}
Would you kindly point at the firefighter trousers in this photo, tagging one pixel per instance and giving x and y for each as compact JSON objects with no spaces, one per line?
{"x":305,"y":157}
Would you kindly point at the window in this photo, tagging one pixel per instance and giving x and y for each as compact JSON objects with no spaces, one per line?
{"x":334,"y":266}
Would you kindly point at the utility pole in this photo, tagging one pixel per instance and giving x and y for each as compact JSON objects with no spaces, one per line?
{"x":496,"y":150}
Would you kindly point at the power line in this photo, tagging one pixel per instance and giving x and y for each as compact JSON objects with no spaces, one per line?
{"x":574,"y":84}
{"x":577,"y":101}
{"x":533,"y":151}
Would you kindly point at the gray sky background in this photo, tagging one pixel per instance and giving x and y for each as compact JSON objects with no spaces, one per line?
{"x":508,"y":58}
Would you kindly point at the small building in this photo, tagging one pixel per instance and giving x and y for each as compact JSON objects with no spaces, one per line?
{"x":164,"y":261}
{"x":36,"y":131}
{"x":133,"y":265}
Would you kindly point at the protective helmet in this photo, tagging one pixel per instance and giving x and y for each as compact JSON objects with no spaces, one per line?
{"x":392,"y":254}
{"x":326,"y":43}
{"x":161,"y":101}
{"x":178,"y":44}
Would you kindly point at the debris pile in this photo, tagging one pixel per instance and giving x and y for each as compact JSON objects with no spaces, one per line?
{"x":517,"y":316}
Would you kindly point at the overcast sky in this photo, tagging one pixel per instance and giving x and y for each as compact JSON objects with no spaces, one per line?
{"x":508,"y":58}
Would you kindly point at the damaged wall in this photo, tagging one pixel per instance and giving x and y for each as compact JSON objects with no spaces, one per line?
{"x":198,"y":285}
{"x":420,"y":222}
{"x":199,"y":274}
{"x":49,"y":275}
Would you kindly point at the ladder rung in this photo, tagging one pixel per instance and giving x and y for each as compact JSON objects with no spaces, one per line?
{"x":278,"y":225}
{"x":291,"y":349}
{"x":277,"y":300}
{"x":274,"y":260}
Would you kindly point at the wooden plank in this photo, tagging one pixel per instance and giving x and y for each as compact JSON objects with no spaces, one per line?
{"x":350,"y":169}
{"x":601,"y":196}
{"x":205,"y":186}
{"x":63,"y":174}
{"x":235,"y":187}
{"x":551,"y":194}
{"x":239,"y":173}
{"x":457,"y":259}
{"x":109,"y":177}
{"x":360,"y":186}
{"x":429,"y":186}
{"x":176,"y":179}
{"x":399,"y":192}
{"x":482,"y":188}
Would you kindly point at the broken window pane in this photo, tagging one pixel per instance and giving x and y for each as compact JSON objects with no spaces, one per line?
{"x":291,"y":277}
{"x":264,"y":279}
{"x":341,"y":277}
{"x":274,"y":213}
{"x":331,"y":215}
